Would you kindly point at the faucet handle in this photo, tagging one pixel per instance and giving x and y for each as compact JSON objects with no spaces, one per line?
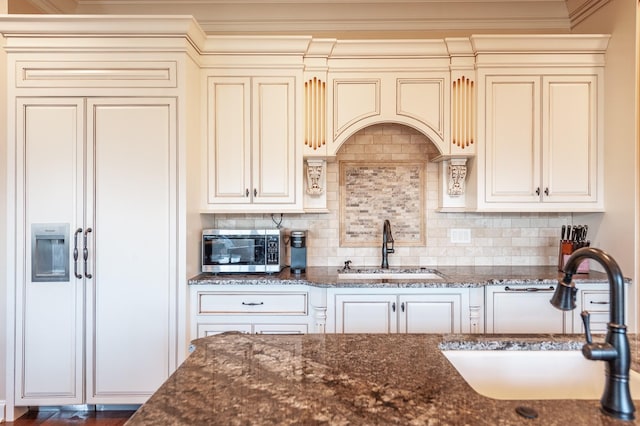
{"x":596,"y":351}
{"x":390,"y":250}
{"x":586,"y":320}
{"x":347,"y":265}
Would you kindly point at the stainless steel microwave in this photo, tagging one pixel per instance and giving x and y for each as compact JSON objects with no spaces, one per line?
{"x":243,"y":250}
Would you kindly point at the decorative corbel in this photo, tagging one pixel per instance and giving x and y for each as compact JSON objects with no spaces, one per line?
{"x":315,"y":176}
{"x":457,"y":176}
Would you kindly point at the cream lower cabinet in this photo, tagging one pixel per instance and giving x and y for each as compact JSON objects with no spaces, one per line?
{"x":268,"y":309}
{"x":432,"y":310}
{"x":542,"y":142}
{"x":527,"y":309}
{"x":593,"y":298}
{"x":252,"y":162}
{"x":524,"y":309}
{"x":95,"y":318}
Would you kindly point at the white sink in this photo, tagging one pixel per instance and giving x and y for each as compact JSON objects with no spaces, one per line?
{"x":522,"y":375}
{"x":391,"y":274}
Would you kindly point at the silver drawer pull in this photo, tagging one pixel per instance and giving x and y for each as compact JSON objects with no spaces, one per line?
{"x":253,"y":303}
{"x":598,"y":303}
{"x":529,"y":289}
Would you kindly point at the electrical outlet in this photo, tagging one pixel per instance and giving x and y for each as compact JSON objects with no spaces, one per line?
{"x":461,"y":236}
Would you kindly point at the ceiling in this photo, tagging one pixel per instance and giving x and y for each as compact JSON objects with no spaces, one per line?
{"x":344,"y":18}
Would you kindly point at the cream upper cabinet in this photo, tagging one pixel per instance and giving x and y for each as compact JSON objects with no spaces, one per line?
{"x":356,"y":100}
{"x":512,"y":145}
{"x":572,"y":169}
{"x":252,"y":161}
{"x":542,"y":149}
{"x":540,"y":121}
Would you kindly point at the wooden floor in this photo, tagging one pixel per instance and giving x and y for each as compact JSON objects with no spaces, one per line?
{"x":71,"y":417}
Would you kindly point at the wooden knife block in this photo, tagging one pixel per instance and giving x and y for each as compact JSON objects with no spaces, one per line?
{"x":564,"y":252}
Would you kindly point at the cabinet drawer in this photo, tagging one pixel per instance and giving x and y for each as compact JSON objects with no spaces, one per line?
{"x":205,"y":330}
{"x":259,"y":303}
{"x":280,"y":328}
{"x":596,"y":301}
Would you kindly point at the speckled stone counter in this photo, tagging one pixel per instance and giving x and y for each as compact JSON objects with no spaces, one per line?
{"x":452,"y":276}
{"x":342,"y":379}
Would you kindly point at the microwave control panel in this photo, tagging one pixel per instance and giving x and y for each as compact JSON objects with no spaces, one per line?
{"x":273,"y":250}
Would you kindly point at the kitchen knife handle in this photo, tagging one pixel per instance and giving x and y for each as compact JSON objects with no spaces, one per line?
{"x":85,"y":253}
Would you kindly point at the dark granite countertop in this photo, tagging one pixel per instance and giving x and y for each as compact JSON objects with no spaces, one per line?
{"x":453,"y":276}
{"x":343,"y":379}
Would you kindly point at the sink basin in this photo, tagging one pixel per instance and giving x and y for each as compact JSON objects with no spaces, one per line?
{"x":390,"y":274}
{"x":522,"y":375}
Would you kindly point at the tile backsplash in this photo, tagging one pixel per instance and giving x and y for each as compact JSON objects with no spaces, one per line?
{"x":384,"y":189}
{"x":496,"y":238}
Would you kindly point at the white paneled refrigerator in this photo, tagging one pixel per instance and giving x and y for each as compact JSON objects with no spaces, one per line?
{"x":95,"y":302}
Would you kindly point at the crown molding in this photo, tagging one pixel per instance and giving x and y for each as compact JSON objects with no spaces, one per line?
{"x":326,"y":18}
{"x":579,"y":10}
{"x":54,"y":6}
{"x":39,"y":30}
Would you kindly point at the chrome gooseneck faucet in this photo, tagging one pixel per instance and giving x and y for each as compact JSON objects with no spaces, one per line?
{"x":616,"y":399}
{"x":387,"y":239}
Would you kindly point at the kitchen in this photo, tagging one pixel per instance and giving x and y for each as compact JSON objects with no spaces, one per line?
{"x":496,"y":238}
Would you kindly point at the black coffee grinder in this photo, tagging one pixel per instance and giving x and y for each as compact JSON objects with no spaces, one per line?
{"x":298,"y":251}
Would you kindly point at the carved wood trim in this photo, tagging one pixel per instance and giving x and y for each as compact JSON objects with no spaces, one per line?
{"x":463,"y":112}
{"x":315,"y":113}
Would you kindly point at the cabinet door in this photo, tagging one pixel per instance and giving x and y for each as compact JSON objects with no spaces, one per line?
{"x":597,"y":303}
{"x":274,"y":159}
{"x":512,"y":136}
{"x":570,"y":135}
{"x":434,"y":313}
{"x":228,"y":167}
{"x":520,"y":309}
{"x":49,"y":315}
{"x":133,"y":250}
{"x":366,"y":313}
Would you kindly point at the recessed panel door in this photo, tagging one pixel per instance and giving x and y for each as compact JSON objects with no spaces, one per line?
{"x":520,"y":309}
{"x":513,"y":139}
{"x":49,"y":330}
{"x":366,"y":313}
{"x":436,"y":313}
{"x":131,"y":184}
